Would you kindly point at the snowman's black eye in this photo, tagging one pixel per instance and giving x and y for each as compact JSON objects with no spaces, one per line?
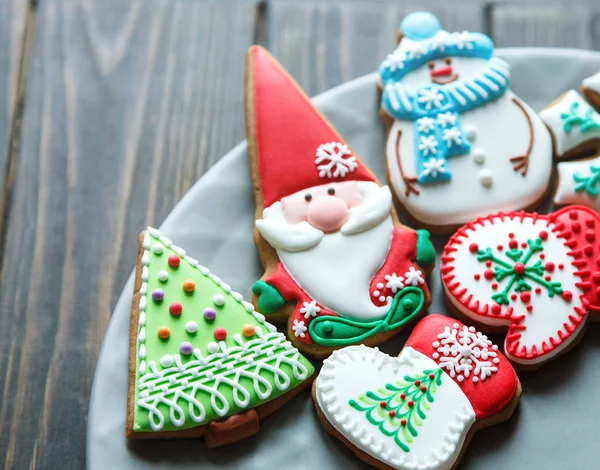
{"x":308,"y":197}
{"x":331,"y":191}
{"x":431,"y":65}
{"x":448,"y":60}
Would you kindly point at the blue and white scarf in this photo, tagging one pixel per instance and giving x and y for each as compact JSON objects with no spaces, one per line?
{"x":436,"y":110}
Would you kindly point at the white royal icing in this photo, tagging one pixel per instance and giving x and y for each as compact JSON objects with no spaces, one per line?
{"x":566,"y":139}
{"x":592,"y":83}
{"x":549,"y":314}
{"x":566,"y":193}
{"x":352,"y":371}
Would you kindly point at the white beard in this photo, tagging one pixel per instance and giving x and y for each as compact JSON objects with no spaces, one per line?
{"x":336,"y":269}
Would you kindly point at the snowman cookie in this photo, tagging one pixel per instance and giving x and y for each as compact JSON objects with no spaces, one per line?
{"x":460,"y":143}
{"x":420,"y":409}
{"x":202,"y":361}
{"x":590,"y":87}
{"x":537,"y":276}
{"x":339,"y":267}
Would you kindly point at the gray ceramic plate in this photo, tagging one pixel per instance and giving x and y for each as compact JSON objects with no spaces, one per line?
{"x":556,"y":423}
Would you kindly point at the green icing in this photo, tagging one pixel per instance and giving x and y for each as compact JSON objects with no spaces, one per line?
{"x":398,"y":410}
{"x":269,"y":300}
{"x":425,"y":249}
{"x":588,"y":182}
{"x":338,"y":331}
{"x":580,"y":115}
{"x":205,"y":385}
{"x":518,"y":271}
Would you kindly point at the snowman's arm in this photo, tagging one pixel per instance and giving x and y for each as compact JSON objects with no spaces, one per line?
{"x":409,"y":181}
{"x":521,"y":162}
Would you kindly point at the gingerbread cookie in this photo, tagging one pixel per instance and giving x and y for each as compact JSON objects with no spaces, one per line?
{"x":590,"y":87}
{"x":420,"y":409}
{"x":202,"y":361}
{"x":338,"y":264}
{"x":536,"y":275}
{"x":455,"y":128}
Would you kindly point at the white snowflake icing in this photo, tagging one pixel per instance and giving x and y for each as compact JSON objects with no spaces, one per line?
{"x":395,"y":60}
{"x":413,"y":277}
{"x":337,"y":157}
{"x":433,"y":167}
{"x":430,"y":97}
{"x":394,"y":283}
{"x":310,"y":309}
{"x":452,"y":136}
{"x":465,"y":352}
{"x":428,"y":144}
{"x":418,"y":50}
{"x":426,"y":124}
{"x":299,"y":328}
{"x":445,"y":119}
{"x":463,"y":40}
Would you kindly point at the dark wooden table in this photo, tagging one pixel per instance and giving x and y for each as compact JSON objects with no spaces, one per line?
{"x":110,"y":110}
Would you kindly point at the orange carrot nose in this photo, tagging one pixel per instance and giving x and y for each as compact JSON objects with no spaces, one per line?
{"x":441,"y":71}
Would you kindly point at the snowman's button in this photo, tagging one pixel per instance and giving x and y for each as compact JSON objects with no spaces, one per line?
{"x":485,"y":177}
{"x":478,"y":155}
{"x":470,"y":132}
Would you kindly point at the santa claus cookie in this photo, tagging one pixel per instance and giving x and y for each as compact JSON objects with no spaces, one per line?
{"x":202,"y":361}
{"x":337,"y":261}
{"x":590,"y":87}
{"x":536,"y":275}
{"x":420,"y":409}
{"x":460,"y":143}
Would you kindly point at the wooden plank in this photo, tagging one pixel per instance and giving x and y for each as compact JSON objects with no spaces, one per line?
{"x":324,"y":44}
{"x":128,"y":104}
{"x":542,"y":25}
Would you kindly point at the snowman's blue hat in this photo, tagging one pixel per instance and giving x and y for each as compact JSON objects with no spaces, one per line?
{"x":423,"y":39}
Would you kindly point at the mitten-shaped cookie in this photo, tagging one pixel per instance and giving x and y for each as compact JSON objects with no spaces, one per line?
{"x":417,"y":410}
{"x":536,"y":275}
{"x":337,"y":261}
{"x":202,"y":361}
{"x":455,"y":128}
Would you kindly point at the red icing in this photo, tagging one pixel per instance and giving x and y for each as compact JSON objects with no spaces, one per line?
{"x":566,"y":225}
{"x":486,"y":397}
{"x":288,"y":130}
{"x":402,"y":250}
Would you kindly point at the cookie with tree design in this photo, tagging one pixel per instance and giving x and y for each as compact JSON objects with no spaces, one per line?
{"x":537,"y":276}
{"x":417,"y":410}
{"x":203,"y":361}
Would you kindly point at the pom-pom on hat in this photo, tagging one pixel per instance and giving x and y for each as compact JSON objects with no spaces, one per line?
{"x":423,"y":39}
{"x":295,"y":147}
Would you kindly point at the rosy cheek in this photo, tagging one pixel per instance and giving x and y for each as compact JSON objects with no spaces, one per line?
{"x":294,"y":208}
{"x":349,"y":193}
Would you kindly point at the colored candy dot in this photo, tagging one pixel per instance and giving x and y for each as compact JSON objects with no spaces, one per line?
{"x":496,"y":309}
{"x":431,"y":376}
{"x":157,"y":295}
{"x":174,"y":261}
{"x":547,"y":277}
{"x":392,"y":413}
{"x":525,"y":297}
{"x":529,"y":307}
{"x":403,"y":422}
{"x":511,"y":235}
{"x":542,"y":256}
{"x":513,"y":244}
{"x":417,"y":382}
{"x":549,"y":267}
{"x":494,"y":285}
{"x":538,"y":290}
{"x":402,"y":396}
{"x":410,"y":403}
{"x":247,"y":330}
{"x":596,"y":277}
{"x":212,"y":347}
{"x":175,"y":308}
{"x":189,"y":286}
{"x":561,"y":266}
{"x":576,"y":227}
{"x":477,"y":277}
{"x":423,"y":388}
{"x":157,"y":248}
{"x":590,"y":235}
{"x":573,"y":215}
{"x":162,"y":276}
{"x":519,"y":268}
{"x":513,"y":296}
{"x":164,"y":332}
{"x":588,"y":250}
{"x":544,"y":235}
{"x":473,"y":247}
{"x":590,"y":223}
{"x":220,"y":334}
{"x":383,"y":404}
{"x":209,"y":313}
{"x":488,"y":264}
{"x":191,"y":327}
{"x":488,"y":274}
{"x":219,"y":300}
{"x":185,"y":348}
{"x":567,"y":295}
{"x":500,"y":247}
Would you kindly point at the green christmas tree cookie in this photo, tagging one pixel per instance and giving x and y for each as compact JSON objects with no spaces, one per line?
{"x":200,"y":353}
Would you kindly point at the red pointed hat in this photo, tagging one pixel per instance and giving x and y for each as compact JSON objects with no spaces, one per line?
{"x":296,"y":148}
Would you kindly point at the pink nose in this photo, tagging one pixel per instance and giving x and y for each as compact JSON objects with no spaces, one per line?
{"x":327,"y":213}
